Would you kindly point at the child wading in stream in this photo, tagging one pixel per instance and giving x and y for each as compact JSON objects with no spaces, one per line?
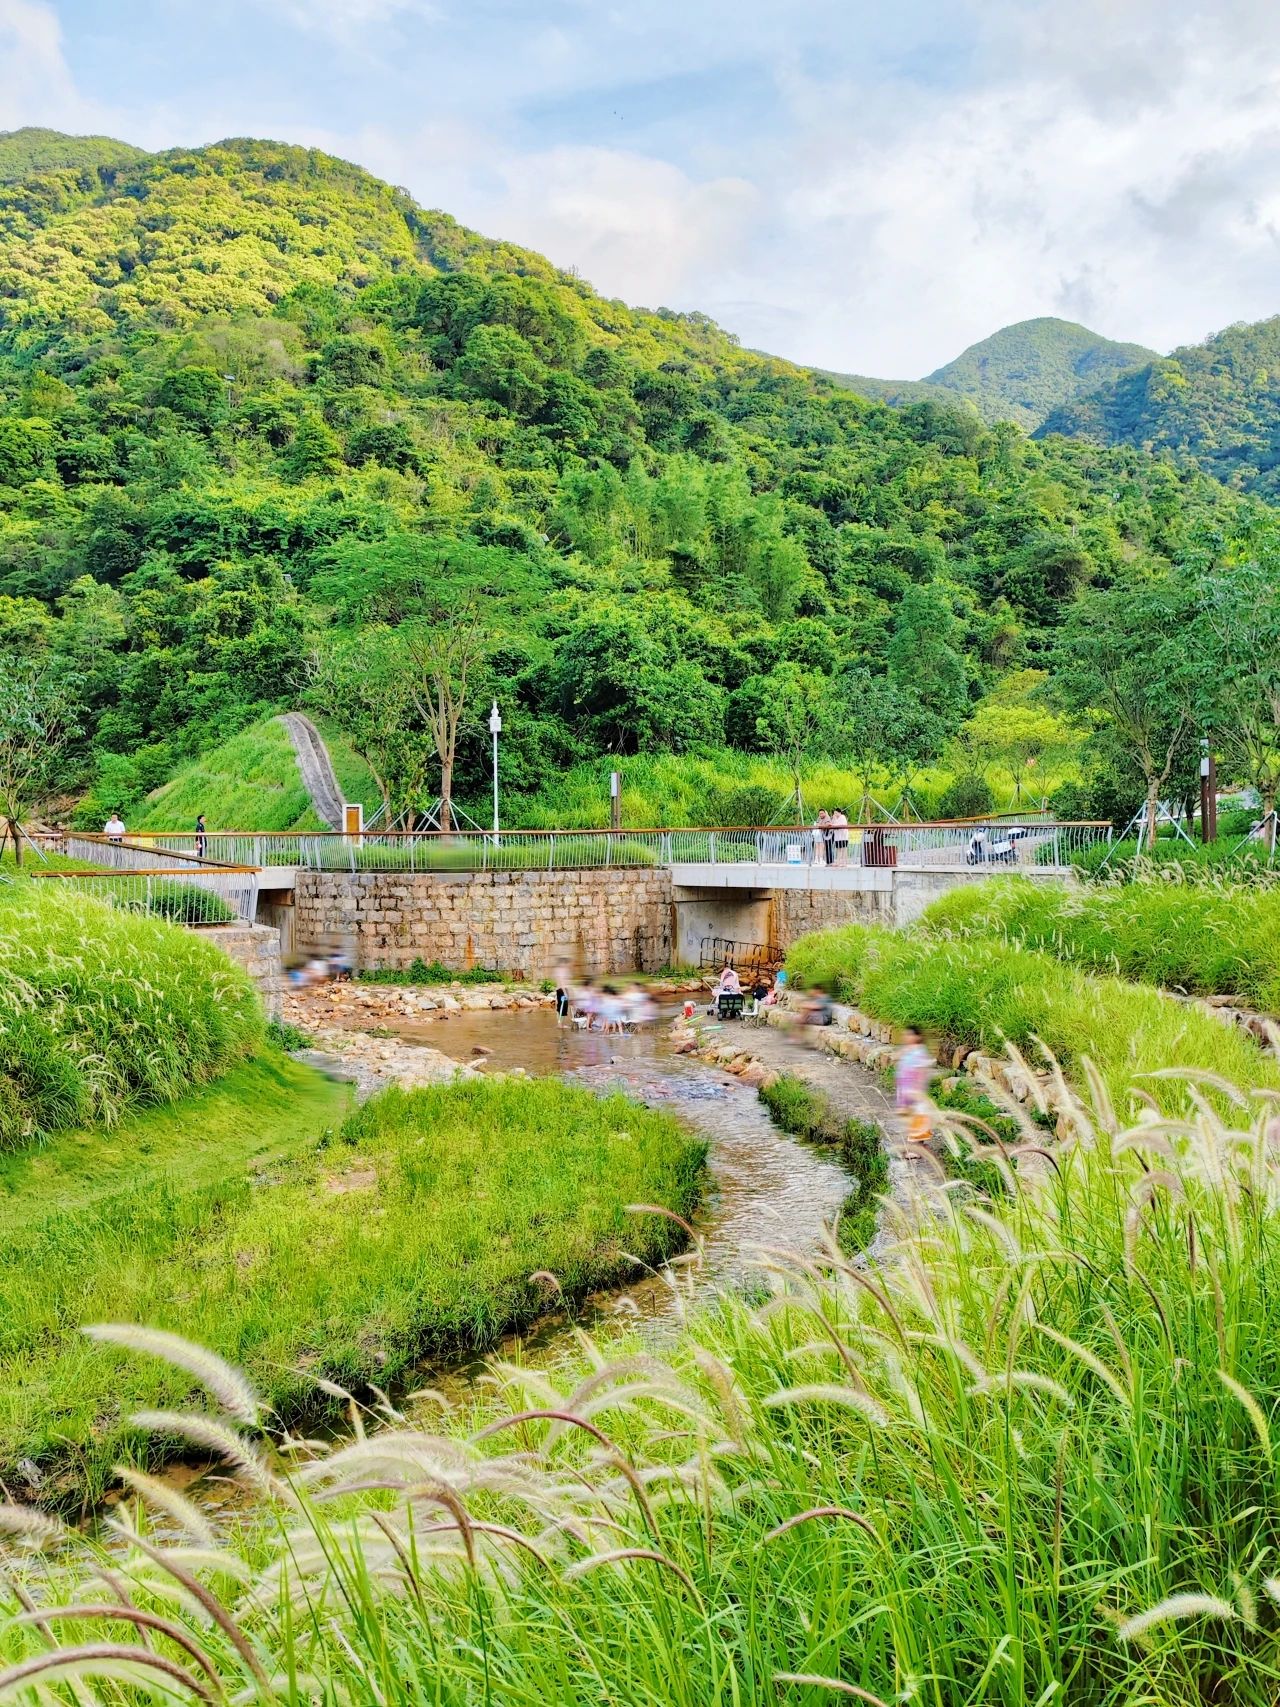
{"x":911,"y":1080}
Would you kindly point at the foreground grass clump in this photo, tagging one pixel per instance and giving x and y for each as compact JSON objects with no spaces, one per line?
{"x":102,"y":1010}
{"x":1208,"y":939}
{"x":985,"y":994}
{"x":420,"y":1227}
{"x":1026,"y":1459}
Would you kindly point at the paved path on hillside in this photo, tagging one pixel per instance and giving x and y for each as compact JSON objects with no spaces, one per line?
{"x":316,"y":767}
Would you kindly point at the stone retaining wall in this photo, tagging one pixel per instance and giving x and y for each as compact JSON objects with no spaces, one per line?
{"x":601,"y":922}
{"x":257,"y":949}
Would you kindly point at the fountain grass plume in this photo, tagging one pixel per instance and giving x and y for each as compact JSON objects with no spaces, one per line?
{"x":1026,"y":1457}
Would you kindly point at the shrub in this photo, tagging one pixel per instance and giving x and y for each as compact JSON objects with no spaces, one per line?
{"x":1207,"y":938}
{"x":966,"y":797}
{"x":101,"y":1009}
{"x":751,"y":804}
{"x":420,"y":971}
{"x":188,"y":904}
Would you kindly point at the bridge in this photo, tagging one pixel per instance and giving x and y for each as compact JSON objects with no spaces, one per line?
{"x":611,"y":900}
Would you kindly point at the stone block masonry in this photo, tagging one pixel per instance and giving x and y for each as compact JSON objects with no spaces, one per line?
{"x":257,"y":949}
{"x":602,"y":922}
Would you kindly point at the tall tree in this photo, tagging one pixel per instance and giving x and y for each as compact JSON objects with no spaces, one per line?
{"x":1132,"y":662}
{"x":883,"y":728}
{"x":362,"y":681}
{"x":444,"y":646}
{"x":796,"y":719}
{"x":1242,"y":608}
{"x":38,"y":722}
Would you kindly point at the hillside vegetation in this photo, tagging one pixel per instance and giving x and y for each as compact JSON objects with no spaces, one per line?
{"x":265,"y":425}
{"x":1020,"y":373}
{"x":249,"y":782}
{"x":1217,"y":402}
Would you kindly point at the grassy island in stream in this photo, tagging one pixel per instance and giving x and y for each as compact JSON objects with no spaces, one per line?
{"x":252,"y":1217}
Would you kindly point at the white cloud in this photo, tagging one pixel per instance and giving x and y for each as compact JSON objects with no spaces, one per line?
{"x":35,"y":85}
{"x":860,"y":198}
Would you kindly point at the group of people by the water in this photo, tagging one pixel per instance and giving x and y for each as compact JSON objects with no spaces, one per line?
{"x":588,"y":1006}
{"x":831,"y":837}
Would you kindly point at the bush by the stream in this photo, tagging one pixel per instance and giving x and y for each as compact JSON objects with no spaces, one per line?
{"x":1207,"y":939}
{"x":984,"y":993}
{"x":421,"y":971}
{"x":806,"y":1113}
{"x":102,"y":1009}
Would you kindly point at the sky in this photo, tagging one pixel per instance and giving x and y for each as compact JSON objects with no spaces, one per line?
{"x":863,"y":186}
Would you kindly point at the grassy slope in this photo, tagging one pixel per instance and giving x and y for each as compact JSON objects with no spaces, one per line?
{"x":237,"y":1218}
{"x":982,"y":992}
{"x":674,"y":789}
{"x":251,"y":782}
{"x":1205,"y":939}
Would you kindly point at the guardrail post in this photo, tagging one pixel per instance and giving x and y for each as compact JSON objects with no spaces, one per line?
{"x":351,"y":853}
{"x":551,"y":853}
{"x":711,"y":847}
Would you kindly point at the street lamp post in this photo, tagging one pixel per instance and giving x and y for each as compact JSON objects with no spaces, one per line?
{"x":495,"y":729}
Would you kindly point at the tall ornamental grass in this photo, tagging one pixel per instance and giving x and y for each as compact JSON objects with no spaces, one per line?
{"x":1207,"y":939}
{"x":428,"y":1224}
{"x":102,"y":1010}
{"x":1027,"y":1458}
{"x":984,"y":993}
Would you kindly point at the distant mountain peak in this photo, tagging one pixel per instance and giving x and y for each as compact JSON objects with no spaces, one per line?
{"x":1020,"y":373}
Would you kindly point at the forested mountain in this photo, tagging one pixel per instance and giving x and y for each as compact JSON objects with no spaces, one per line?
{"x":1018,"y":374}
{"x":267,"y":427}
{"x":25,"y":152}
{"x":1218,"y":401}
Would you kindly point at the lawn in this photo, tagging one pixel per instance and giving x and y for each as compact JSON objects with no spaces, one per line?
{"x":260,"y":1218}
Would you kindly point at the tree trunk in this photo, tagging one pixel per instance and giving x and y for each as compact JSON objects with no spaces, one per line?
{"x":446,"y":794}
{"x":17,"y":841}
{"x":1269,"y":817}
{"x":1153,"y":806}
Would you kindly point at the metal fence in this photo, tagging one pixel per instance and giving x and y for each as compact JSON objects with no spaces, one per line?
{"x":980,"y":843}
{"x":179,"y":894}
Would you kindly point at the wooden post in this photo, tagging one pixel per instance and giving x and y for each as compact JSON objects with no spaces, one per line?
{"x":615,"y":799}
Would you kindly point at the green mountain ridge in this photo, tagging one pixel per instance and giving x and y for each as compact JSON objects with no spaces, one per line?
{"x":1217,"y":402}
{"x":260,"y":414}
{"x":1019,"y":373}
{"x":25,"y":153}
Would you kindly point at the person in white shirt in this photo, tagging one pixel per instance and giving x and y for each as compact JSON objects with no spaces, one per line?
{"x":113,"y":829}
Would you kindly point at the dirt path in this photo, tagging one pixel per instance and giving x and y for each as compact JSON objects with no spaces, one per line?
{"x":316,"y":767}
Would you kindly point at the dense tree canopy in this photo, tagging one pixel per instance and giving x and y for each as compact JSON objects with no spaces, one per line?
{"x":253,"y":402}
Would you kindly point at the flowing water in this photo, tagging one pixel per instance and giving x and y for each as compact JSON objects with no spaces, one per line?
{"x":767,"y":1189}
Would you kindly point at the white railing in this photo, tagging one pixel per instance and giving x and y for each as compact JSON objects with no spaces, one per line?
{"x":987,"y":844}
{"x":180,"y":894}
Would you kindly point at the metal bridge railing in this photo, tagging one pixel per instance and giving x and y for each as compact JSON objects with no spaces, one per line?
{"x":179,"y":894}
{"x":986,"y":843}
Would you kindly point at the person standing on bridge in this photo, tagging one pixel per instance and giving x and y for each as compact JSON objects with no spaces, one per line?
{"x":840,"y":836}
{"x":113,"y":829}
{"x":201,"y":842}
